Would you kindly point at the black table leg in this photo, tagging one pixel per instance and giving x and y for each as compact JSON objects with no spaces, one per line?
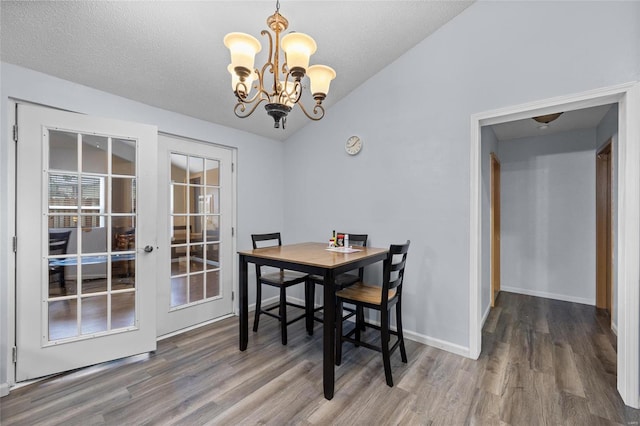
{"x":328,"y":336}
{"x":244,"y":303}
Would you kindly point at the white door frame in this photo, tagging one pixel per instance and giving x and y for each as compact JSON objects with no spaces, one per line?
{"x":627,"y":96}
{"x":9,"y":326}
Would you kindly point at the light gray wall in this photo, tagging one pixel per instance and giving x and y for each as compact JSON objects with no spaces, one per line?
{"x":608,"y":128}
{"x":548,"y":216}
{"x":489,"y":144}
{"x":411,"y":179}
{"x":260,"y":176}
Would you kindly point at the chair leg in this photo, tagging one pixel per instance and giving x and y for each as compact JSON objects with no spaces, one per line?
{"x":256,"y":318}
{"x":360,"y":317}
{"x":403,"y":352}
{"x":309,"y":303}
{"x":359,"y":323}
{"x":384,"y":343}
{"x":339,"y":332}
{"x":283,"y":314}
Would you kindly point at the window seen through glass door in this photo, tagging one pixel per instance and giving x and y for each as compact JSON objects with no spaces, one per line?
{"x":91,"y":221}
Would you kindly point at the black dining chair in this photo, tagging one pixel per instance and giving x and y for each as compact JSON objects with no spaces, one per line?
{"x":281,"y":279}
{"x":342,"y":280}
{"x":381,"y":299}
{"x":58,"y":244}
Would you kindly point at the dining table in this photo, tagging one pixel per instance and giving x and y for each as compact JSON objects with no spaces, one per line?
{"x":310,"y":258}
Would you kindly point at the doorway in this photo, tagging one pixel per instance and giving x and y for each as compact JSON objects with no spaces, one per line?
{"x":627,"y":96}
{"x":99,"y":272}
{"x":495,"y":228}
{"x":604,"y":230}
{"x":85,"y":261}
{"x":196,"y":192}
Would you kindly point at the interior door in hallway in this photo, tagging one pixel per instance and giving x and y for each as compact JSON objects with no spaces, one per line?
{"x":196,"y":217}
{"x":495,"y":228}
{"x":604,"y":243}
{"x":85,"y":202}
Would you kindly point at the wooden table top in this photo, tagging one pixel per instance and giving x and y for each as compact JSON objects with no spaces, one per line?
{"x":314,"y":254}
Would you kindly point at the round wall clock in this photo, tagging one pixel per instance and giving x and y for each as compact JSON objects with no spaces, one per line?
{"x":353,"y":145}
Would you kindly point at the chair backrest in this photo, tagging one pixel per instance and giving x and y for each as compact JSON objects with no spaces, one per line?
{"x":359,"y":240}
{"x":393,"y":273}
{"x":265,"y":240}
{"x":58,"y":242}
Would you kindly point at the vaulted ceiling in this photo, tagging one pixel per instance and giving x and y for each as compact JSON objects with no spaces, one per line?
{"x":170,"y":54}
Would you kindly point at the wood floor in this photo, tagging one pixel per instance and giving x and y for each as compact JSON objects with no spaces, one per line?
{"x":543,"y":362}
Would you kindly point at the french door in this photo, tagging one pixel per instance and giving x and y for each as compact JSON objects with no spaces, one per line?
{"x":195,"y":272}
{"x":86,"y":229}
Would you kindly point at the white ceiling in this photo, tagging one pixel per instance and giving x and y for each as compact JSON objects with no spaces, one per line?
{"x":170,"y":54}
{"x":587,"y":118}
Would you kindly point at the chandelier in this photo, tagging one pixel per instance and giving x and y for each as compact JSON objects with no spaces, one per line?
{"x":284,"y":90}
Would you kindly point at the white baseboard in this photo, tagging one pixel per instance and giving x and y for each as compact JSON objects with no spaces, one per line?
{"x":546,"y":295}
{"x":275,"y":299}
{"x":4,"y":389}
{"x":437,"y":343}
{"x":251,"y":307}
{"x":485,"y":316}
{"x":193,"y":327}
{"x":410,"y":335}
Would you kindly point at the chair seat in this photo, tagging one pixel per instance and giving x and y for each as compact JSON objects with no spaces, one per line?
{"x":342,"y":280}
{"x":361,"y":292}
{"x":283,"y":278}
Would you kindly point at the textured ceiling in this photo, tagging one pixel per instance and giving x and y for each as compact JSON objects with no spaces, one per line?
{"x":170,"y":54}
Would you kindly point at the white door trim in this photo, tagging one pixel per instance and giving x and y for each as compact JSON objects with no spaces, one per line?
{"x":9,"y":327}
{"x":628,"y":206}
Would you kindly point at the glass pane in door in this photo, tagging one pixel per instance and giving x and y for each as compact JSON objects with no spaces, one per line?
{"x":63,"y":150}
{"x":92,"y":235}
{"x":123,"y":157}
{"x":194,"y":194}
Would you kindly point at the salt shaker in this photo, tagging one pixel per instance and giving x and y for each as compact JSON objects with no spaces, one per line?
{"x":346,"y":240}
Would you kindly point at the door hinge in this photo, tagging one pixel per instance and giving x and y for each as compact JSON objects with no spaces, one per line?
{"x":14,"y":354}
{"x":15,"y":244}
{"x":233,"y":296}
{"x":15,"y":133}
{"x":233,"y":167}
{"x":233,"y":231}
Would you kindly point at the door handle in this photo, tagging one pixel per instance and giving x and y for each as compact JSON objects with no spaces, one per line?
{"x":148,"y":249}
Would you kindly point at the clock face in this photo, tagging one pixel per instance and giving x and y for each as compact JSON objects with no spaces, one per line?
{"x":353,"y":145}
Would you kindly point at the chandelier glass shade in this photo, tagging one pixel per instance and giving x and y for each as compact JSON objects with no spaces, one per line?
{"x":279,"y":82}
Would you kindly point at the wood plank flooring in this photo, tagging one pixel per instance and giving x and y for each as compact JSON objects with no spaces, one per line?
{"x":543,"y":362}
